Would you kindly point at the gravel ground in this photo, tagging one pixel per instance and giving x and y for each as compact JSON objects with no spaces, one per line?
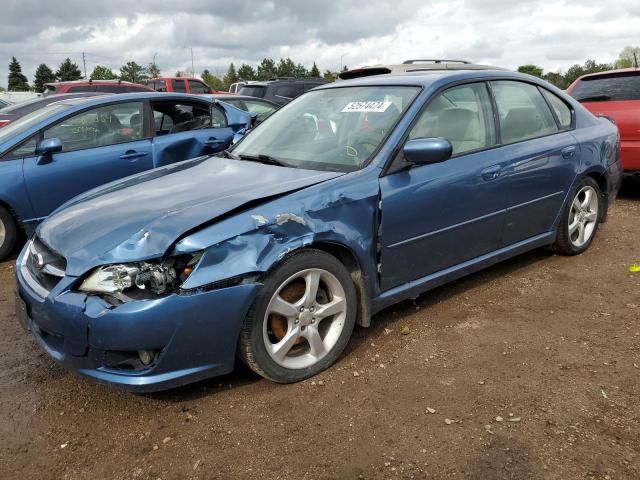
{"x":527,"y":370}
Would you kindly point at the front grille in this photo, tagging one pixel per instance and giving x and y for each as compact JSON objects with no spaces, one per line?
{"x":44,"y":265}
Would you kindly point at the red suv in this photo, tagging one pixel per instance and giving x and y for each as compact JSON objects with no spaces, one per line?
{"x":615,"y":94}
{"x":179,"y":85}
{"x":102,"y":86}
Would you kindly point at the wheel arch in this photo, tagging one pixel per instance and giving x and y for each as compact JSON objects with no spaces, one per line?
{"x":350,"y":260}
{"x":601,"y":179}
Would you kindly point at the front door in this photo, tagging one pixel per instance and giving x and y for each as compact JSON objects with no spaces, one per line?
{"x":99,"y":145}
{"x":439,"y":215}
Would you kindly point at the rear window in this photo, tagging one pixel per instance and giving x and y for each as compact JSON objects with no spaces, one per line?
{"x":252,"y":91}
{"x":619,"y":86}
{"x":179,"y":86}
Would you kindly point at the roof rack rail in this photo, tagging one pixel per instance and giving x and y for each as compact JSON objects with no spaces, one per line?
{"x":433,"y":60}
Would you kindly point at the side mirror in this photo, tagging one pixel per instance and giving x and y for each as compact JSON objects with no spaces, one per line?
{"x":49,"y":146}
{"x":427,"y":150}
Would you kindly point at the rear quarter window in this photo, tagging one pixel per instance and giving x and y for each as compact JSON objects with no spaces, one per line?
{"x":620,"y":86}
{"x":253,"y":91}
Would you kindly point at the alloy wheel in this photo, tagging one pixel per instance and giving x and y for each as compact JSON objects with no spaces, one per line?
{"x":583,"y":216}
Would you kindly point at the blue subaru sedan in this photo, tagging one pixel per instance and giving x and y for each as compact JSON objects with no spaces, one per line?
{"x":353,"y":197}
{"x":73,"y":145}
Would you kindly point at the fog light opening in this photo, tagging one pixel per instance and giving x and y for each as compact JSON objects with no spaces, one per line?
{"x":146,"y":357}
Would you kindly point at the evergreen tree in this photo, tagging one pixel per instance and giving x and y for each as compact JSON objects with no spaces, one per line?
{"x":213,"y":81}
{"x":230,"y":77}
{"x":43,"y":75}
{"x":17,"y":81}
{"x":102,"y":73}
{"x":132,"y":72}
{"x":68,"y":71}
{"x":314,"y":73}
{"x":246,"y":73}
{"x":534,"y":70}
{"x":286,"y":68}
{"x":267,"y":69}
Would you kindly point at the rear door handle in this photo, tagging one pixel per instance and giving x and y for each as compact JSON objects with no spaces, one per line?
{"x":129,"y":154}
{"x":568,"y":152}
{"x":491,"y":173}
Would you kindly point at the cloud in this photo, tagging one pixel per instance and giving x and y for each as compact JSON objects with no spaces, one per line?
{"x":508,"y":33}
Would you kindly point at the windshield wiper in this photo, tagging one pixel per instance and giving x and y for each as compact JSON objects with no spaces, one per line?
{"x":269,"y":160}
{"x":595,"y":98}
{"x":228,"y":154}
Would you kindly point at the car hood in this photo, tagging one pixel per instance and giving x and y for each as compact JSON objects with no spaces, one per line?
{"x":141,"y":217}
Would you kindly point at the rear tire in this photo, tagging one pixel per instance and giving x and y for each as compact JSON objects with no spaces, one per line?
{"x":580,"y":219}
{"x":302,"y":319}
{"x":8,"y":233}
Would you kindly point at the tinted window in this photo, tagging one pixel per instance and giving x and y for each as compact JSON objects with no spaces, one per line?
{"x":253,"y":91}
{"x":523,"y":112}
{"x":98,"y":127}
{"x":289,"y":91}
{"x":562,"y":111}
{"x":198,"y":87}
{"x":179,"y":86}
{"x":161,"y":86}
{"x":463,"y":115}
{"x":620,"y":86}
{"x":180,"y":117}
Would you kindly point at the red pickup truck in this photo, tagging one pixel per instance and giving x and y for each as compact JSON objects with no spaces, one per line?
{"x":615,"y":94}
{"x":178,"y":84}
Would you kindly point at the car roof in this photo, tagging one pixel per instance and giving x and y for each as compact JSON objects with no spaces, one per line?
{"x":92,"y":82}
{"x":124,"y":97}
{"x":610,"y":73}
{"x":286,"y":80}
{"x":410,"y":66}
{"x":223,"y":97}
{"x":431,"y":77}
{"x":175,"y":78}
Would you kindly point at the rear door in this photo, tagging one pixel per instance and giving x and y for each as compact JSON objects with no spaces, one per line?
{"x":100,"y":145}
{"x":539,"y":152}
{"x":187,"y":129}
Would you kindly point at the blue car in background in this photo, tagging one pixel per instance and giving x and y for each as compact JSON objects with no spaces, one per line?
{"x":70,"y":146}
{"x":354,"y":196}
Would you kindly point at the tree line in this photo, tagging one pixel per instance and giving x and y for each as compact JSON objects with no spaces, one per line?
{"x":269,"y":69}
{"x":629,"y":57}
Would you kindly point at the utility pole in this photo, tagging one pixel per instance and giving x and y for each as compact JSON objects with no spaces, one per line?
{"x":193,"y":73}
{"x":84,"y":63}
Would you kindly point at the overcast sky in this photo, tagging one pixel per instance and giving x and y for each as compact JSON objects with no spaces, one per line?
{"x":508,"y":33}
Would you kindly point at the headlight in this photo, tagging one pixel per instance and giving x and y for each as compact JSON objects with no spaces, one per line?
{"x":142,"y":279}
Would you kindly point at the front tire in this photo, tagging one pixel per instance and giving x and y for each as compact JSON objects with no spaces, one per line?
{"x":580,"y":219}
{"x":8,"y":233}
{"x":302,"y":319}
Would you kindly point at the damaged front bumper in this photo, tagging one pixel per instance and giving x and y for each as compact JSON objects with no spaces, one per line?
{"x":189,"y":336}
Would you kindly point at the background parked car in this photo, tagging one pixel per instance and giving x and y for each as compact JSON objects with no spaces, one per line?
{"x":13,"y":112}
{"x":615,"y":94}
{"x":279,"y":91}
{"x":409,"y":66}
{"x":103,"y":86}
{"x":4,"y":103}
{"x":260,"y":107}
{"x":179,"y":85}
{"x":63,"y":149}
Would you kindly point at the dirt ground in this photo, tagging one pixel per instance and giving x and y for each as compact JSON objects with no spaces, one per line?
{"x":530,"y":369}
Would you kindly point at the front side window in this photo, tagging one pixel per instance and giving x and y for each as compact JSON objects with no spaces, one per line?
{"x":336,"y":129}
{"x":463,"y":115}
{"x":562,"y":111}
{"x":523,"y":112}
{"x":262,"y":110}
{"x":99,"y":127}
{"x":179,"y":86}
{"x":30,"y":120}
{"x":173,"y":117}
{"x":25,"y":149}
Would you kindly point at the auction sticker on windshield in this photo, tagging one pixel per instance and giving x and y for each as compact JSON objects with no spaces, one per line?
{"x":360,"y":107}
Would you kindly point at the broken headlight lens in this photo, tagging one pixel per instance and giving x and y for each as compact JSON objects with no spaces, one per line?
{"x":154,"y":278}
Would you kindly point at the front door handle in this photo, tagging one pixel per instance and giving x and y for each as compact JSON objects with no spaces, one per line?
{"x":129,"y":154}
{"x":491,"y":173}
{"x":568,"y":152}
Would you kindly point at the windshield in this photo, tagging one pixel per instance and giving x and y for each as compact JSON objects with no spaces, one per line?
{"x":26,"y":122}
{"x":620,"y":86}
{"x":335,"y":129}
